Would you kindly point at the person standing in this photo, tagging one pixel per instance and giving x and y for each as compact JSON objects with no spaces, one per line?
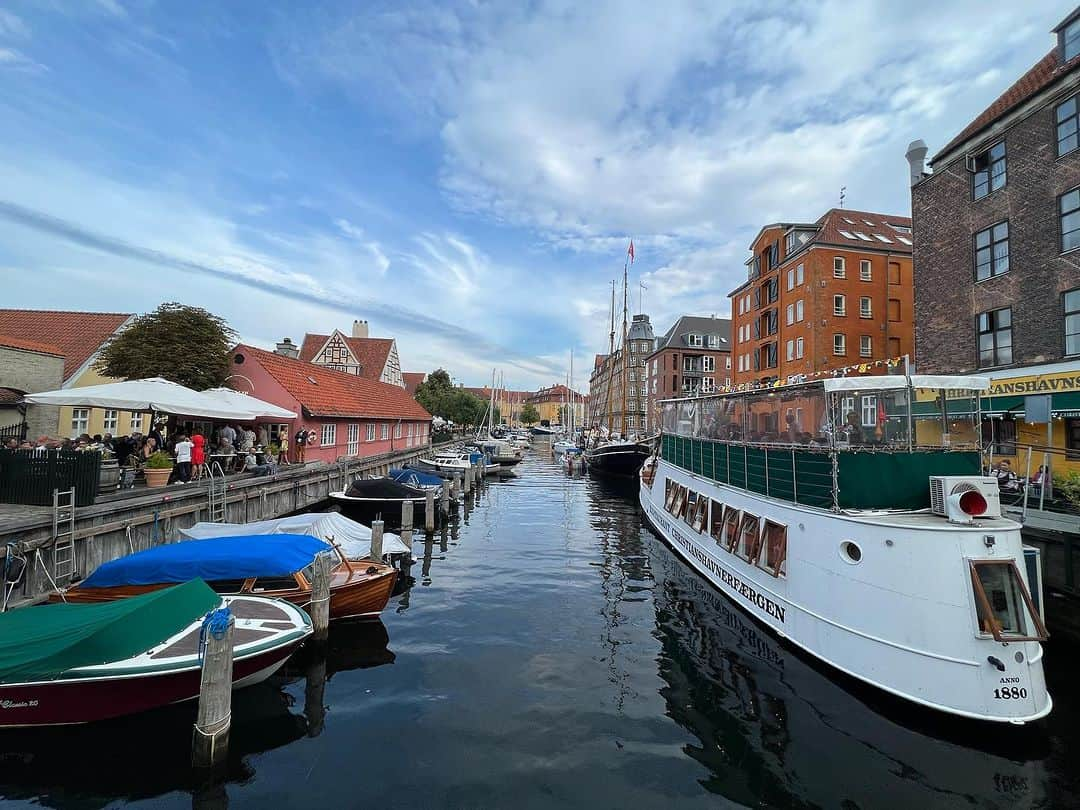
{"x":283,"y":448}
{"x":264,"y":436}
{"x":228,"y":435}
{"x":198,"y":455}
{"x":301,"y":442}
{"x":183,"y":450}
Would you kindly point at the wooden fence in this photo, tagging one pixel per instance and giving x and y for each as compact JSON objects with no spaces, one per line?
{"x":30,"y":476}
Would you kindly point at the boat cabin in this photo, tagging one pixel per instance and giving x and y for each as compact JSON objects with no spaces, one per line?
{"x":839,"y":444}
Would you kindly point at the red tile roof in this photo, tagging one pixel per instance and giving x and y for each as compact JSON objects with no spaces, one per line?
{"x":78,"y":335}
{"x":484,"y":392}
{"x":371,"y":353}
{"x":1042,"y":75}
{"x":556,"y":393}
{"x":835,"y":220}
{"x":412,"y":380}
{"x":9,"y":342}
{"x":326,"y":392}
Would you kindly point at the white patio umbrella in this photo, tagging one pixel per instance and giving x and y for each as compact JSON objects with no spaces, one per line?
{"x":238,"y":399}
{"x":153,"y":394}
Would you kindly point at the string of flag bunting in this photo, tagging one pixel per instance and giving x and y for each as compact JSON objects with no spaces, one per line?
{"x":796,"y":379}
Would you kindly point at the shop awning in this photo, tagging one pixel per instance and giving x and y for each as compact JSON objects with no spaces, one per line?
{"x":156,"y":394}
{"x":1063,"y":404}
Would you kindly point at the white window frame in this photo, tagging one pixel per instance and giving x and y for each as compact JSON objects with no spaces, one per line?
{"x":110,"y":424}
{"x":708,"y":385}
{"x":708,"y":364}
{"x":869,"y":411}
{"x":328,"y":434}
{"x":790,"y":346}
{"x":799,"y":275}
{"x":630,"y":420}
{"x":839,"y":344}
{"x":866,"y":307}
{"x":790,"y":314}
{"x":798,"y":311}
{"x":370,"y":432}
{"x":866,"y":346}
{"x":714,"y":341}
{"x":385,"y":431}
{"x":80,"y":421}
{"x":866,"y":270}
{"x":136,"y":422}
{"x":839,"y":267}
{"x":799,"y":348}
{"x":791,"y":278}
{"x":695,"y":341}
{"x":839,"y":305}
{"x":352,"y":445}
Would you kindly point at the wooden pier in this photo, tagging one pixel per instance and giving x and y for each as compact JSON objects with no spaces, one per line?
{"x":139,"y":519}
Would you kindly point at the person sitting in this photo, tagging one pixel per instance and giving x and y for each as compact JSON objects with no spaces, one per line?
{"x":252,"y":465}
{"x":1006,"y":478}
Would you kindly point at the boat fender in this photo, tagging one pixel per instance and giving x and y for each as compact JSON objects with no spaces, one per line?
{"x":215,"y":623}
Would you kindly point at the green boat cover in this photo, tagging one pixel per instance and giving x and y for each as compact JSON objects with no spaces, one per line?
{"x":45,"y":642}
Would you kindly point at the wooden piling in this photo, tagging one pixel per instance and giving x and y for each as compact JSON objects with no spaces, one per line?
{"x":429,"y":512}
{"x":377,"y":540}
{"x":444,"y":497}
{"x":320,"y":596}
{"x":455,"y":487}
{"x":406,"y":522}
{"x":210,"y":741}
{"x":468,"y":480}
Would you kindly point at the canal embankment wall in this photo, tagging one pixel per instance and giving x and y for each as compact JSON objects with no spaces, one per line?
{"x":133,"y":521}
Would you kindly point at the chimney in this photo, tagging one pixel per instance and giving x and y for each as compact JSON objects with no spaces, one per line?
{"x":916,"y":158}
{"x":359,"y":329}
{"x":287,"y":349}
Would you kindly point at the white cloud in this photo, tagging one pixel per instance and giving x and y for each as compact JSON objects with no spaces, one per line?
{"x":12,"y":25}
{"x":16,"y":60}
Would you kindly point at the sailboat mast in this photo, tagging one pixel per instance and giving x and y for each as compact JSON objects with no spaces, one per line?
{"x":625,"y":330}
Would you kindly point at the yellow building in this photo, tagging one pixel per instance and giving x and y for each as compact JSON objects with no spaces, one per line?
{"x":80,"y":336}
{"x":552,"y":403}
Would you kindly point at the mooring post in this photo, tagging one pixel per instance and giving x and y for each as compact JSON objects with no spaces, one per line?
{"x":406,"y":522}
{"x":210,"y":741}
{"x":454,"y":488}
{"x":468,"y":480}
{"x":429,"y":512}
{"x":481,"y":468}
{"x":444,"y":497}
{"x":376,"y":540}
{"x":320,"y":596}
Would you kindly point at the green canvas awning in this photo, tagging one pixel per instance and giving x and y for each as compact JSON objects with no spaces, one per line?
{"x":1064,"y":403}
{"x":44,"y":642}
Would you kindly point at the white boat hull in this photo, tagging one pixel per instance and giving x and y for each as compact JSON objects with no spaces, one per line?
{"x":902,"y":618}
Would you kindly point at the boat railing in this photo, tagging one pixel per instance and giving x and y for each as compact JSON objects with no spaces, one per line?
{"x":1028,"y":484}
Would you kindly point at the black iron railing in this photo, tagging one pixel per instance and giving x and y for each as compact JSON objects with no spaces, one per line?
{"x":30,"y":476}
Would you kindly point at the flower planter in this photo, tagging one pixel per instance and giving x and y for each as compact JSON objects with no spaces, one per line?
{"x":109,"y":476}
{"x":158,"y":477}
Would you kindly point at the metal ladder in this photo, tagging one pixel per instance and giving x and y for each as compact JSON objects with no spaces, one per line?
{"x":63,"y":533}
{"x":215,"y":493}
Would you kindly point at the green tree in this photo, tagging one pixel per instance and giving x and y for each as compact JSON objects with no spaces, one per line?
{"x":529,"y":414}
{"x":185,"y":344}
{"x":434,"y":392}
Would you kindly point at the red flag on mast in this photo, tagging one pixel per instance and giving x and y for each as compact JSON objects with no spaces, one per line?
{"x":630,"y":251}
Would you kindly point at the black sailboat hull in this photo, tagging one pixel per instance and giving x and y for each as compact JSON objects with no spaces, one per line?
{"x":617,"y":459}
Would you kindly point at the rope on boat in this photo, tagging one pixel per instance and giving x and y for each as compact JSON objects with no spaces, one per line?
{"x":215,"y":624}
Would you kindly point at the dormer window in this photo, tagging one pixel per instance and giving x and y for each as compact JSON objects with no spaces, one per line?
{"x":988,"y":171}
{"x":1070,"y":40}
{"x":696,"y":341}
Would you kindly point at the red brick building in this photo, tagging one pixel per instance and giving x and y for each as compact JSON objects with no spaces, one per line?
{"x":349,"y":414}
{"x":693,"y":357}
{"x":823,"y":295}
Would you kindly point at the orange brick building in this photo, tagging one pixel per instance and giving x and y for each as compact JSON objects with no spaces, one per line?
{"x":823,"y":295}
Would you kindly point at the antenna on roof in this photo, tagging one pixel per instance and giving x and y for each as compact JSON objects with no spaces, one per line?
{"x":842,"y":190}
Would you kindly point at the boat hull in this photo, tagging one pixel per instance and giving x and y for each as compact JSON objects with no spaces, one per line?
{"x":87,"y":700}
{"x":623,"y":460}
{"x":366,"y":510}
{"x":922,"y":646}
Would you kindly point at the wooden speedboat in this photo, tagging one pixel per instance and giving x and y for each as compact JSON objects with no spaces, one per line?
{"x":78,"y":663}
{"x":273,"y":565}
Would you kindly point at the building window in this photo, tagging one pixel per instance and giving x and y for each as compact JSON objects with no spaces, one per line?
{"x":385,"y":431}
{"x":866,"y":307}
{"x":714,"y":341}
{"x":866,"y":346}
{"x":838,"y":269}
{"x":791,"y":278}
{"x":370,"y":431}
{"x":988,"y":171}
{"x":644,"y":390}
{"x":798,"y":275}
{"x":839,"y":344}
{"x":1066,"y":118}
{"x":708,"y":385}
{"x":790,"y":353}
{"x":771,"y":355}
{"x":329,"y":435}
{"x":632,"y":405}
{"x":696,"y":341}
{"x":1072,"y":322}
{"x":353,"y":445}
{"x":136,"y":423}
{"x":992,"y":251}
{"x":866,"y":271}
{"x":799,"y":348}
{"x":790,"y":314}
{"x":894,"y":310}
{"x":397,"y":430}
{"x":839,"y":305}
{"x":789,"y":243}
{"x":894,"y":273}
{"x":1070,"y":220}
{"x":111,"y":421}
{"x":80,"y":420}
{"x":869,"y":411}
{"x":708,"y":364}
{"x":409,"y":430}
{"x":995,"y":337}
{"x":798,"y":310}
{"x":1070,"y":41}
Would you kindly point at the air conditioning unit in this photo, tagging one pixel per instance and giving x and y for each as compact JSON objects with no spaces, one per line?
{"x":962,"y":498}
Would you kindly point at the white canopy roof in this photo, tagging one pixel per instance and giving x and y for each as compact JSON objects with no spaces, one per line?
{"x":354,"y":538}
{"x":157,"y":394}
{"x":244,"y":401}
{"x":954,"y":381}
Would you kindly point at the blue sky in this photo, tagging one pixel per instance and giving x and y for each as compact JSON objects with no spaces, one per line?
{"x":465,"y":176}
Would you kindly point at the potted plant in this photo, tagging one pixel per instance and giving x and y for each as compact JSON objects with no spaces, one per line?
{"x":158,"y":468}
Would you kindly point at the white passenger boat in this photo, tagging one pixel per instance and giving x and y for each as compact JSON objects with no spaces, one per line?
{"x":851,"y":516}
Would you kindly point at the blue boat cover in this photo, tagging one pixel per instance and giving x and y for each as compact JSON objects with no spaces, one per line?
{"x":236,"y":557}
{"x":415,"y":478}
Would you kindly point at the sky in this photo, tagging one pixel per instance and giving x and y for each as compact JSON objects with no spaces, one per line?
{"x":465,"y":176}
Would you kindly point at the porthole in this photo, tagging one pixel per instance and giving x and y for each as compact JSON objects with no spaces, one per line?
{"x":850,"y":552}
{"x":238,"y":359}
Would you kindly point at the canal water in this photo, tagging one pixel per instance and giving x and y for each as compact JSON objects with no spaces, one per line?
{"x":552,"y":652}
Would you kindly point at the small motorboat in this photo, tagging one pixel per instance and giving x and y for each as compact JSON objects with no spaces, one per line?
{"x":417,"y":479}
{"x":500,"y":452}
{"x":277,"y":565}
{"x":369,"y":499}
{"x":541,"y":430}
{"x":78,"y":663}
{"x":445,"y":464}
{"x":562,"y":446}
{"x":354,"y":539}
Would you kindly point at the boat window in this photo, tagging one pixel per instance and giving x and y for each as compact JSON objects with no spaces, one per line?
{"x":749,"y":538}
{"x":274,"y":584}
{"x":731,"y":527}
{"x":774,"y":551}
{"x":227,"y":585}
{"x":691,"y":507}
{"x":716,"y":521}
{"x":669,"y":494}
{"x":1003,"y":603}
{"x":701,"y":510}
{"x":679,"y":501}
